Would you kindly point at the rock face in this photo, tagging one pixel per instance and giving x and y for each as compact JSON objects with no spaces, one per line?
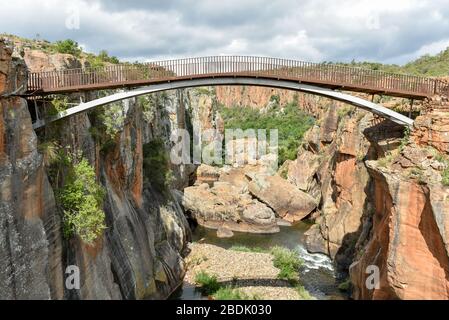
{"x":433,"y":128}
{"x":141,"y":252}
{"x":330,"y":168}
{"x":410,"y":241}
{"x":30,"y":228}
{"x":30,"y":235}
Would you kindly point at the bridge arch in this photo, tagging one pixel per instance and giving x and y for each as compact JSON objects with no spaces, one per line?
{"x":252,"y":81}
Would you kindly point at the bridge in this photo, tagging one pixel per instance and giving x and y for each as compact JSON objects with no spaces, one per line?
{"x":317,"y":78}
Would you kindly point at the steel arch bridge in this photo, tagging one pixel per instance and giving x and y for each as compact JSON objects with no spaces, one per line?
{"x":321,"y":79}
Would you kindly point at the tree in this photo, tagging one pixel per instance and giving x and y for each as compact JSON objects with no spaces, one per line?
{"x":68,"y":46}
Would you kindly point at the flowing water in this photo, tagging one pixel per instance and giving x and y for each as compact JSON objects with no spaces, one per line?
{"x":317,"y":274}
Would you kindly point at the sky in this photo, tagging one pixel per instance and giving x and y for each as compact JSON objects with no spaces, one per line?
{"x":388,"y":31}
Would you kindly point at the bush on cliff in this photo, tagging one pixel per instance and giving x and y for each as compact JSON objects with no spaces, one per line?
{"x":82,"y":199}
{"x":156,"y":165}
{"x":68,"y":46}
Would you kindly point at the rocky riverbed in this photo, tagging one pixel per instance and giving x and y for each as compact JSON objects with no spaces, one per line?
{"x":253,"y":273}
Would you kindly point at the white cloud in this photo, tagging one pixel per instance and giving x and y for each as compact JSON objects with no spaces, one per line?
{"x":382,"y":30}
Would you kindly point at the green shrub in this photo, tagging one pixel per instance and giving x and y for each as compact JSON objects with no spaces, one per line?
{"x":288,"y":262}
{"x":445,"y":176}
{"x":113,"y":119}
{"x":58,"y":105}
{"x":82,"y":199}
{"x":101,"y":60}
{"x":343,"y":111}
{"x":303,"y":293}
{"x":345,"y":286}
{"x":405,"y":140}
{"x":209,"y":283}
{"x":229,"y":293}
{"x":156,"y":165}
{"x":49,"y":151}
{"x":148,"y":105}
{"x":68,"y":46}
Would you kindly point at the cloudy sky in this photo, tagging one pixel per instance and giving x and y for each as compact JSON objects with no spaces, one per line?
{"x":392,"y":31}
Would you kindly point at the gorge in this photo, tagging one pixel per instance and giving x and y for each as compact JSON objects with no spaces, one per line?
{"x":372,"y":193}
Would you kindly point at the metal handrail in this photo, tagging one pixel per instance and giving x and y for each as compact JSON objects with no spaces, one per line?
{"x":351,"y":78}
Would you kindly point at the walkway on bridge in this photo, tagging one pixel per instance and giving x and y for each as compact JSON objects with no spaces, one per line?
{"x":324,"y":75}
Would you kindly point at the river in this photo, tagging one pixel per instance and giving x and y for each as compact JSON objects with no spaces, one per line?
{"x":317,"y":274}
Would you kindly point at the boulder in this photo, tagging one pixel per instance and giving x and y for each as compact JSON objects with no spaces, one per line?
{"x":302,"y":171}
{"x":224,"y":232}
{"x":285,"y":199}
{"x":225,"y":206}
{"x":207,"y":174}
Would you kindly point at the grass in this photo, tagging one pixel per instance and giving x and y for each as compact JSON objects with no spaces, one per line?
{"x":211,"y":287}
{"x":303,"y":293}
{"x":209,"y":283}
{"x":440,"y":157}
{"x":345,"y":286}
{"x":344,"y":110}
{"x":230,"y":293}
{"x":387,"y":160}
{"x":288,"y":262}
{"x":249,"y":249}
{"x":445,"y":176}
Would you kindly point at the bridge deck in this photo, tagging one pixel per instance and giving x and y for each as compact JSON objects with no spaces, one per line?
{"x":323,"y":75}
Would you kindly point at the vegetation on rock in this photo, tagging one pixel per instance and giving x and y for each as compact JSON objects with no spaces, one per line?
{"x":81,"y":199}
{"x":156,"y":165}
{"x":68,"y":46}
{"x":427,"y":65}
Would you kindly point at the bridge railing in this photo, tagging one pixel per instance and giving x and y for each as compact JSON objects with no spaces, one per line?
{"x":316,"y":73}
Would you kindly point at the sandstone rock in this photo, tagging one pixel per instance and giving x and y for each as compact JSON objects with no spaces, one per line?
{"x":224,"y":205}
{"x":337,"y":178}
{"x":224,"y":232}
{"x":409,"y":244}
{"x":30,"y":227}
{"x":329,"y":125}
{"x":207,"y":174}
{"x":312,"y":139}
{"x":284,"y":198}
{"x":432,"y":128}
{"x":315,"y":240}
{"x":38,"y":61}
{"x":301,"y":172}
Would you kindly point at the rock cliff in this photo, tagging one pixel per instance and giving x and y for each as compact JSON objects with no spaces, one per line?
{"x":140,"y":254}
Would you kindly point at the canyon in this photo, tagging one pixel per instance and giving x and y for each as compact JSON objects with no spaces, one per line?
{"x":375,"y":194}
